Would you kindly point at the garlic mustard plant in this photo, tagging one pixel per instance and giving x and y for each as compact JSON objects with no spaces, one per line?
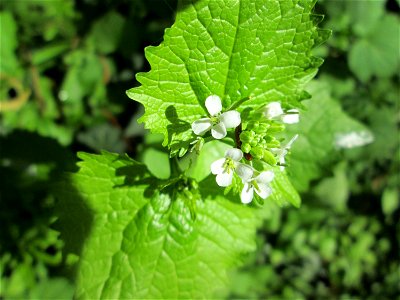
{"x":218,"y":122}
{"x":256,"y":140}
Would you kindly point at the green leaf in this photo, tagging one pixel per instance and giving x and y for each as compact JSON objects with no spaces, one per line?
{"x":364,"y":15}
{"x":107,"y":31}
{"x":378,"y":53}
{"x":157,"y":162}
{"x":283,"y":191}
{"x":334,"y":191}
{"x":142,"y":243}
{"x":390,"y":201}
{"x":321,"y":126}
{"x":9,"y":42}
{"x":233,"y":49}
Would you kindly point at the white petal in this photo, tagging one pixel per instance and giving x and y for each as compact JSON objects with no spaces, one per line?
{"x":273,"y":110}
{"x":231,"y":118}
{"x":213,"y":105}
{"x":293,"y":139}
{"x":217,"y":167}
{"x":353,"y":139}
{"x":201,"y":126}
{"x":225,"y":179}
{"x":218,"y":131}
{"x":264,"y":190}
{"x":234,"y":153}
{"x":282,"y":158}
{"x":265,"y":177}
{"x":245,"y":172}
{"x":291,"y":118}
{"x":247,"y":193}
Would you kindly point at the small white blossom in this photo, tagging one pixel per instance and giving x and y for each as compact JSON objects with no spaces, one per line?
{"x":225,"y":167}
{"x":218,"y":122}
{"x":274,"y":111}
{"x":282,"y":152}
{"x":260,"y":185}
{"x":292,"y":117}
{"x":353,"y":139}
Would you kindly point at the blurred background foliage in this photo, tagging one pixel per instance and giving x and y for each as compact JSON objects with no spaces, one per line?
{"x":64,"y":69}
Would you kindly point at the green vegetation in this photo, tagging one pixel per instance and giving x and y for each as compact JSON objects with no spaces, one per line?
{"x":93,"y":205}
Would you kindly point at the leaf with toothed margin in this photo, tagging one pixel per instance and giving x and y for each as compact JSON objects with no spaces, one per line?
{"x":230,"y":48}
{"x":139,"y":243}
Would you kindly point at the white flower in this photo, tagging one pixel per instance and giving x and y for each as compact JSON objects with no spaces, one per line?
{"x":274,"y":111}
{"x":260,"y":184}
{"x":292,"y":117}
{"x":224,"y":167}
{"x":218,"y":123}
{"x":282,"y":152}
{"x":353,"y":139}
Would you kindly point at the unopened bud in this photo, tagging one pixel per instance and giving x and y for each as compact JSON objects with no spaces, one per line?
{"x":269,"y":158}
{"x":276,"y":127}
{"x":246,"y":147}
{"x":257,"y":152}
{"x":245,"y":137}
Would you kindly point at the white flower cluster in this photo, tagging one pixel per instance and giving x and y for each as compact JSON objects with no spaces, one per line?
{"x":225,"y":168}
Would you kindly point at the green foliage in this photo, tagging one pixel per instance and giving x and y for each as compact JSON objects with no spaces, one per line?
{"x":314,"y":254}
{"x":368,"y":33}
{"x":377,"y":53}
{"x":322,"y":123}
{"x":162,"y":228}
{"x":143,"y":242}
{"x":203,"y":54}
{"x":343,"y":242}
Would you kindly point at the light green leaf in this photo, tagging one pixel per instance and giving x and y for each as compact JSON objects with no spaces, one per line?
{"x":49,"y":52}
{"x":9,"y":43}
{"x":378,"y":53}
{"x":157,"y":162}
{"x":390,"y":201}
{"x":143,"y":244}
{"x":334,"y":191}
{"x":233,"y":49}
{"x":321,"y":126}
{"x":283,"y":191}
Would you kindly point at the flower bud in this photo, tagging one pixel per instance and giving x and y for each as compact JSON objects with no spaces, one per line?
{"x":269,"y":158}
{"x":257,"y":152}
{"x":246,"y":147}
{"x":253,"y":143}
{"x":276,"y":127}
{"x":263,"y":128}
{"x":273,"y":144}
{"x":245,"y":137}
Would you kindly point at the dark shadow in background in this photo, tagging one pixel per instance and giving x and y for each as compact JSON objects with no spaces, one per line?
{"x":31,"y":165}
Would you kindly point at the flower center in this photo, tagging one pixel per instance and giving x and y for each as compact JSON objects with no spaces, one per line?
{"x":229,"y":165}
{"x":215,"y":120}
